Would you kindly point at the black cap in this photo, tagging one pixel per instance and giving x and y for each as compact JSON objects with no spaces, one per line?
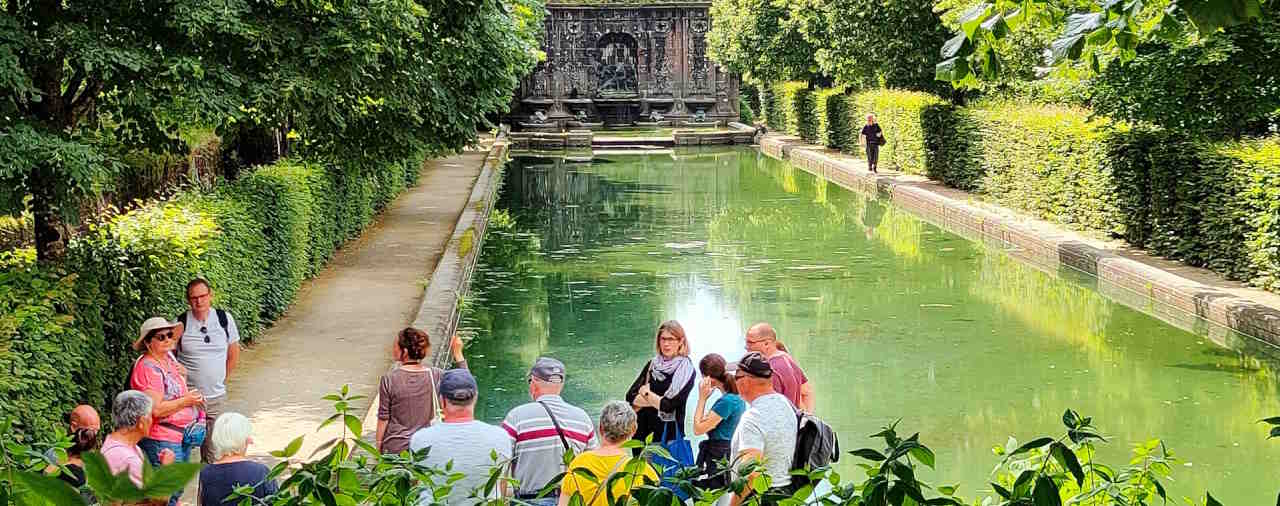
{"x":458,"y":385}
{"x":548,"y":369}
{"x":754,"y":364}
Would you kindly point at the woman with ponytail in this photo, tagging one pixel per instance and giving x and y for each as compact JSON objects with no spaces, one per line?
{"x":407,"y":394}
{"x":718,"y":423}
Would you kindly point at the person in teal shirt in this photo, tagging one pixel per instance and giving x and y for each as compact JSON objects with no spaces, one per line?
{"x":718,"y":423}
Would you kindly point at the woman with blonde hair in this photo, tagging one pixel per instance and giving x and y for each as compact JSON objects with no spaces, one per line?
{"x":660,"y":392}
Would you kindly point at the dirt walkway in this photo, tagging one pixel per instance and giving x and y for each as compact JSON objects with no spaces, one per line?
{"x":340,"y":329}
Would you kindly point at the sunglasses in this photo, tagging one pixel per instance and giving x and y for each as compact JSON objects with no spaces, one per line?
{"x":205,"y":332}
{"x":162,"y":336}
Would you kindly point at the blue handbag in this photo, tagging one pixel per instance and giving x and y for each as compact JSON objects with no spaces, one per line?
{"x":682,"y":453}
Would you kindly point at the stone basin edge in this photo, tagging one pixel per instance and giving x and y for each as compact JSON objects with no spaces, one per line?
{"x":1125,"y":275}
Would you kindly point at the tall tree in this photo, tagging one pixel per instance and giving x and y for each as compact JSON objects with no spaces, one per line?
{"x":83,"y":82}
{"x":764,"y":39}
{"x":896,"y":41}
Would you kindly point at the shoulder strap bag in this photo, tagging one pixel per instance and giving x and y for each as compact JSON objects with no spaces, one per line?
{"x":556,"y":423}
{"x":433,"y":406}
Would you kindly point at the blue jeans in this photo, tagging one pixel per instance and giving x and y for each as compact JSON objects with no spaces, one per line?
{"x":550,"y":500}
{"x":151,"y":448}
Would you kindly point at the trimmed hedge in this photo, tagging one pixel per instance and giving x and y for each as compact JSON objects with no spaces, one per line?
{"x":746,"y":114}
{"x":795,"y":105}
{"x":1048,"y":160}
{"x":255,"y":239}
{"x":771,"y":107}
{"x":900,"y":116}
{"x":837,"y":127}
{"x":1212,"y":205}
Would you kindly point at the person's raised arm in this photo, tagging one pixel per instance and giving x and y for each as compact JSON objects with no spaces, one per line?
{"x":808,"y":403}
{"x":703,"y":420}
{"x":455,"y":351}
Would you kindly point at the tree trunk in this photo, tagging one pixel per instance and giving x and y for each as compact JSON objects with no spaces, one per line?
{"x":51,"y":246}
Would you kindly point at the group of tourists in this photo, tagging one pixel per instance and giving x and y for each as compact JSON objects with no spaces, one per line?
{"x":176,"y":393}
{"x":753,"y":418}
{"x":173,"y":405}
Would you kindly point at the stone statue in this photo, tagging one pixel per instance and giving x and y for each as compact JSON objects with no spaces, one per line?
{"x":581,"y":116}
{"x":538,"y":117}
{"x":700,"y":116}
{"x":656,"y":116}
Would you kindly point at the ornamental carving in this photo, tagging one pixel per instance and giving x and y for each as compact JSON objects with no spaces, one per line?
{"x":617,"y":65}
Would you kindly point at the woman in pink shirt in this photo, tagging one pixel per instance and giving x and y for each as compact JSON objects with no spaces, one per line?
{"x":178,"y":425}
{"x":131,"y":416}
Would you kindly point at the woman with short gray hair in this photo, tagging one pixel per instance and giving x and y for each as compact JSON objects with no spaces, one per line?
{"x":131,"y":417}
{"x":230,"y":441}
{"x":617,"y":426}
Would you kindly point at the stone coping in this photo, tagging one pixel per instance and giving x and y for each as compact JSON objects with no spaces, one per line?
{"x":1184,"y":296}
{"x":451,"y":280}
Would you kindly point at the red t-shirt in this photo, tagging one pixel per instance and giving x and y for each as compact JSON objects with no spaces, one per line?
{"x":787,"y":377}
{"x":168,"y":380}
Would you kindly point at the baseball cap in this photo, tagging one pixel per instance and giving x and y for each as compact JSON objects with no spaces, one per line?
{"x":153,"y":323}
{"x":458,"y":385}
{"x":754,"y":364}
{"x":548,"y":369}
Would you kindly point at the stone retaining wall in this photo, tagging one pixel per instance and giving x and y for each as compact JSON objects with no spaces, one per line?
{"x":1145,"y":286}
{"x":439,"y":311}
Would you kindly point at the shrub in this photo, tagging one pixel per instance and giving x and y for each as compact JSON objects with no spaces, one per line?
{"x":771,"y":106}
{"x":793,"y":104}
{"x":50,"y":345}
{"x":255,"y":240}
{"x":745,"y":113}
{"x":805,"y":111}
{"x":837,"y":131}
{"x":1213,"y":205}
{"x":900,"y":114}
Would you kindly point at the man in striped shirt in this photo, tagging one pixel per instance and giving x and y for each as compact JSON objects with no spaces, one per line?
{"x":543,"y":430}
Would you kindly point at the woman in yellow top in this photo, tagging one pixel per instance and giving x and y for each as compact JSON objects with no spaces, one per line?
{"x":609,"y":461}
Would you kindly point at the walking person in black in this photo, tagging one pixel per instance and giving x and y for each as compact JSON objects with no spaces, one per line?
{"x":872,"y":139}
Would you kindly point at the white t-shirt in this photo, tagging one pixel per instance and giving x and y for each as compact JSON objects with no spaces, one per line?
{"x":769,"y":426}
{"x":469,"y":445}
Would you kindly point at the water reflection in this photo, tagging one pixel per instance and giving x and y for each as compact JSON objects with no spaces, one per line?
{"x":890,"y":316}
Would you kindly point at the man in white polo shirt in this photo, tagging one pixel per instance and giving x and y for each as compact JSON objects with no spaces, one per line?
{"x":543,"y":430}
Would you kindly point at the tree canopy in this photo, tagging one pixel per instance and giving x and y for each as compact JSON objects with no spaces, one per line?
{"x":82,"y":83}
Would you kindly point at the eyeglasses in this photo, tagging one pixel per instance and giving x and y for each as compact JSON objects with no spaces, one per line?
{"x":205,"y":331}
{"x":197,"y":297}
{"x":669,"y":339}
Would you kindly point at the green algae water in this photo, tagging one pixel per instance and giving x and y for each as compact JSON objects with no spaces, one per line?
{"x":891,"y":317}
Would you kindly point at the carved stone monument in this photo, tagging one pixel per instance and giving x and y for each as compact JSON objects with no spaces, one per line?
{"x":619,"y":63}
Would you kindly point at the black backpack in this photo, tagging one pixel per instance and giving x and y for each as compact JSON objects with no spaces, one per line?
{"x":816,"y":446}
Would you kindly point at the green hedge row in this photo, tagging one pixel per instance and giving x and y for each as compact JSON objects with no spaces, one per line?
{"x":1215,"y":205}
{"x":255,"y":239}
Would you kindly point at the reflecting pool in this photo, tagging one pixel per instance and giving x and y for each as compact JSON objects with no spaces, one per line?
{"x":891,"y":317}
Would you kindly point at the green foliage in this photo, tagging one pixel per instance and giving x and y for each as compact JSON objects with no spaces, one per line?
{"x":766,"y":40}
{"x":1228,"y":86}
{"x":804,"y":107}
{"x":893,"y":42}
{"x":49,"y":344}
{"x":255,"y":240}
{"x":1213,"y":205}
{"x":362,"y":85}
{"x":900,"y":116}
{"x":771,"y":106}
{"x":746,"y":114}
{"x":1094,"y":33}
{"x":841,"y":131}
